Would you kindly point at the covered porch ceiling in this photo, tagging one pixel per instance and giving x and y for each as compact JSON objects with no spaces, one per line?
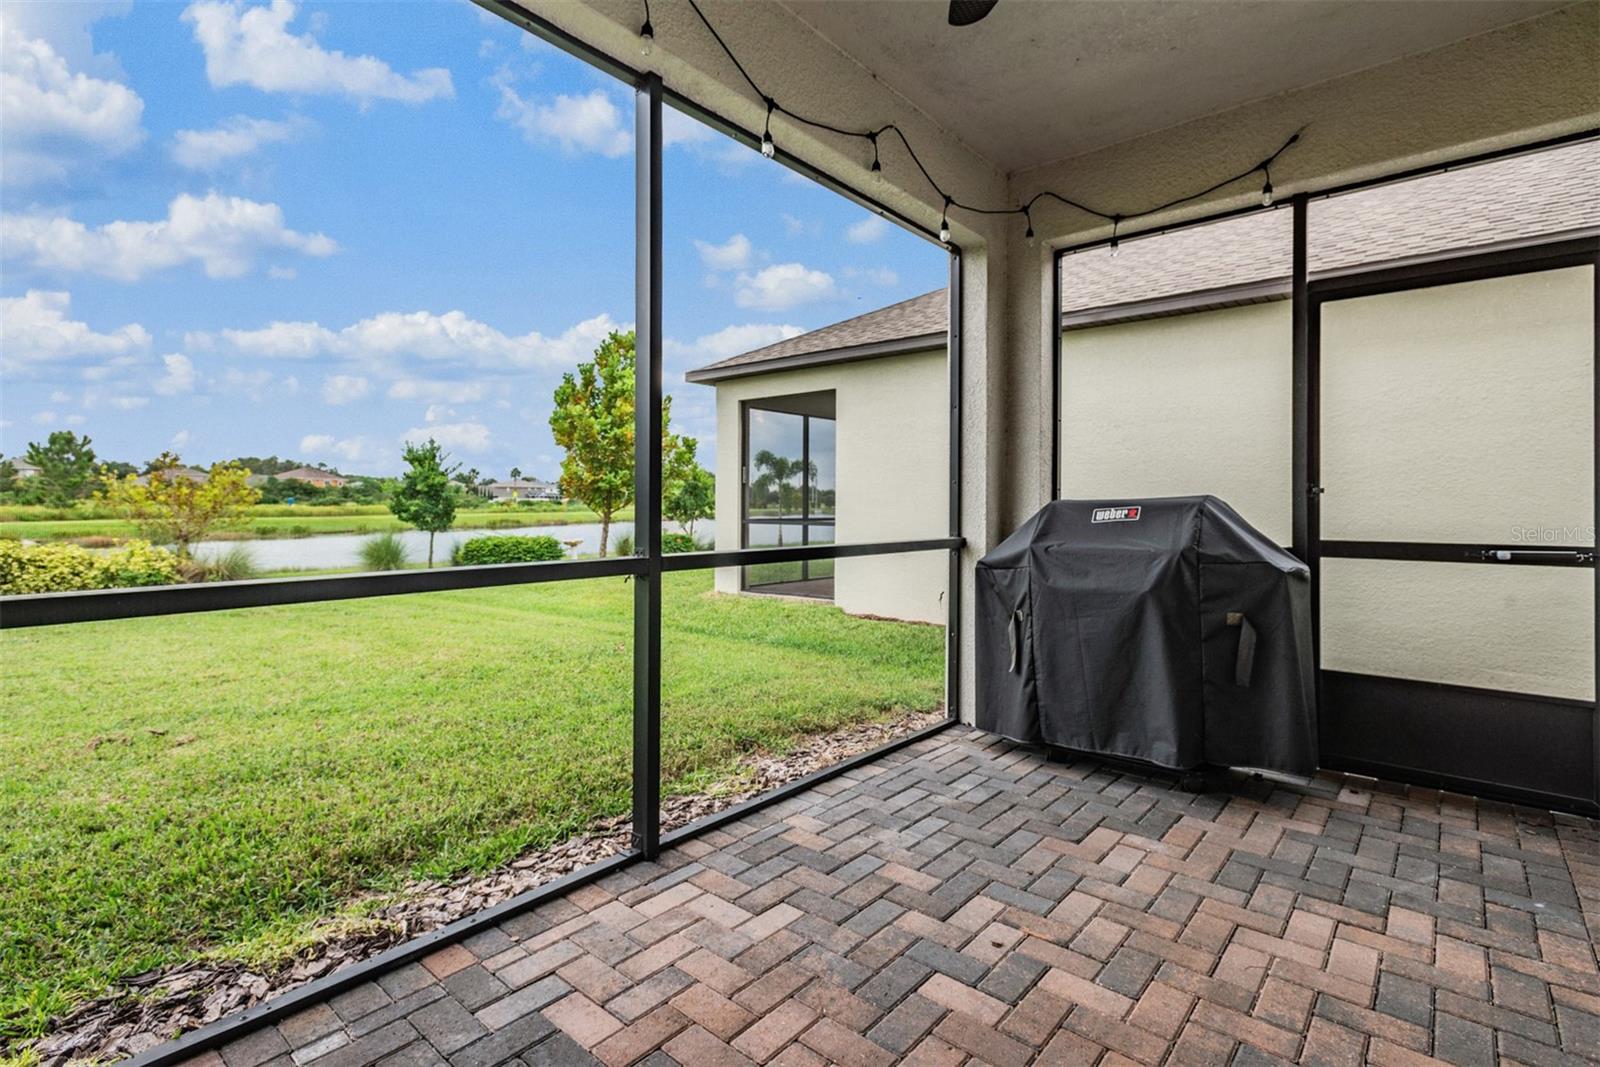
{"x":1036,"y":82}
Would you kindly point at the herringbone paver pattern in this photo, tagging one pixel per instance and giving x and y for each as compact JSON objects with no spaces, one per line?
{"x":966,"y":901}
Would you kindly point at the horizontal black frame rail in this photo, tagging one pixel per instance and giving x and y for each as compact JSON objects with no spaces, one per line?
{"x":746,"y":557}
{"x":99,"y":605}
{"x":1453,"y":552}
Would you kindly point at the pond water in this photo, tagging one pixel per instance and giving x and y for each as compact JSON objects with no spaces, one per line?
{"x":344,"y":550}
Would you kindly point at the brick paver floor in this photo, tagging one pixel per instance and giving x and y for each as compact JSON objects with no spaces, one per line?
{"x":967,"y":901}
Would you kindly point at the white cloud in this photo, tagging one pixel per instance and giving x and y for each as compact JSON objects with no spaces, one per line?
{"x":253,"y":46}
{"x":231,"y":139}
{"x":47,"y":104}
{"x":733,"y":254}
{"x":34,"y":329}
{"x":785,"y":285}
{"x":221,"y":233}
{"x":437,"y":391}
{"x":731,"y":341}
{"x":282,"y":274}
{"x":326,"y":445}
{"x":678,"y":128}
{"x":461,"y":436}
{"x":588,"y":123}
{"x":870,"y":229}
{"x":180,"y":439}
{"x":875,"y":275}
{"x":344,"y":388}
{"x":394,"y":335}
{"x":179,"y":376}
{"x":124,"y":403}
{"x":45,"y":418}
{"x":60,"y":396}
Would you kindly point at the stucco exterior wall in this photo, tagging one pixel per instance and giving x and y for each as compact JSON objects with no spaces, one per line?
{"x":1452,"y":414}
{"x":1197,"y":403}
{"x":892,"y":448}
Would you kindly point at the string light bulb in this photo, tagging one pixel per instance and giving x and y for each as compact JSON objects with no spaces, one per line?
{"x":944,"y":223}
{"x":1116,"y":220}
{"x":768,"y":149}
{"x":877,"y":167}
{"x":1266,"y":190}
{"x":647,"y":38}
{"x":1029,"y":235}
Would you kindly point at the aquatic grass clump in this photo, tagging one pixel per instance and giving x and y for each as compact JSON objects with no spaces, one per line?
{"x":384,"y":552}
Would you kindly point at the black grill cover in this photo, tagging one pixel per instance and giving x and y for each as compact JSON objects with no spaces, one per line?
{"x":1166,"y":630}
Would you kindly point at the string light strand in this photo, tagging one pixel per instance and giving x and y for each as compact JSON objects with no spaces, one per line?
{"x":769,"y":150}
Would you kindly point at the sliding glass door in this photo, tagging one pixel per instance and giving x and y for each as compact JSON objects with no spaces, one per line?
{"x":789,"y":489}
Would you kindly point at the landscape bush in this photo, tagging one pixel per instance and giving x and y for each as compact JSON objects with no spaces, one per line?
{"x":384,"y":552}
{"x":60,"y":568}
{"x":678,"y":542}
{"x":507,"y":548}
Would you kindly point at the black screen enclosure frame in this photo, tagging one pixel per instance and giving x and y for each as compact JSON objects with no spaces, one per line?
{"x":1441,"y":736}
{"x":646,"y":567}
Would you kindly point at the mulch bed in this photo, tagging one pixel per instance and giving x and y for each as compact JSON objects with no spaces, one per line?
{"x":147,"y":1009}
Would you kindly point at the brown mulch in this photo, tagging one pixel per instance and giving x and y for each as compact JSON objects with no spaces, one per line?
{"x":147,"y":1009}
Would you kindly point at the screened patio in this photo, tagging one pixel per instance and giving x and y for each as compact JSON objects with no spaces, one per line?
{"x":949,"y":897}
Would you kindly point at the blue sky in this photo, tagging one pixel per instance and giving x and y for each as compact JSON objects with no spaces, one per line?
{"x":315,"y":230}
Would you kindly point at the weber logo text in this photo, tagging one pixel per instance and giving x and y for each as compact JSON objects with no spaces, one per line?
{"x":1124,"y":514}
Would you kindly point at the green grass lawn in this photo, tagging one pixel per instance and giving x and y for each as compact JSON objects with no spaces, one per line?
{"x":279,"y":521}
{"x":217,"y":782}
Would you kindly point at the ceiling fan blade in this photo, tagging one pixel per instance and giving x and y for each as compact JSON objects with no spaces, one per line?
{"x":966,"y":12}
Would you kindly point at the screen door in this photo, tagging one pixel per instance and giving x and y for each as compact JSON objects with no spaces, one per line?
{"x":1453,"y":483}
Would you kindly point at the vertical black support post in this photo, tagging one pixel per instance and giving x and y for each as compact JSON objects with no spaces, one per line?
{"x":1307,"y":439}
{"x":1055,"y":376}
{"x":1299,"y":334}
{"x":1594,"y":531}
{"x":952,"y":630}
{"x":647,"y":469}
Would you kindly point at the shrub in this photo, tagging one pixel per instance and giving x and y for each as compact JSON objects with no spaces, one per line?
{"x":63,"y":568}
{"x":678,"y":542}
{"x":385,"y":552}
{"x":623,"y":546}
{"x":507,"y":548}
{"x":234,"y":565}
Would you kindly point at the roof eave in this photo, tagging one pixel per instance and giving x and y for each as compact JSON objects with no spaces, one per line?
{"x":896,"y":347}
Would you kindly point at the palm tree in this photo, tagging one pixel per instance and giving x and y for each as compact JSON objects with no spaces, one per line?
{"x":778,"y":479}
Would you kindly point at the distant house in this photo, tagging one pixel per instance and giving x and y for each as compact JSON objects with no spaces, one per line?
{"x":190,"y":473}
{"x":312,"y":476}
{"x":24,"y":469}
{"x":520,"y":489}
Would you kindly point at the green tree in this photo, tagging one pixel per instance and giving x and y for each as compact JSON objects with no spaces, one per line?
{"x":423,"y":497}
{"x":593,"y":421}
{"x":66,"y":467}
{"x":516,"y":472}
{"x":171,"y":509}
{"x":692,"y":495}
{"x":8,"y":476}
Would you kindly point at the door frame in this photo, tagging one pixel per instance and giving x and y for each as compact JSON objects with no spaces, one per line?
{"x":805,"y":522}
{"x":1397,"y":728}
